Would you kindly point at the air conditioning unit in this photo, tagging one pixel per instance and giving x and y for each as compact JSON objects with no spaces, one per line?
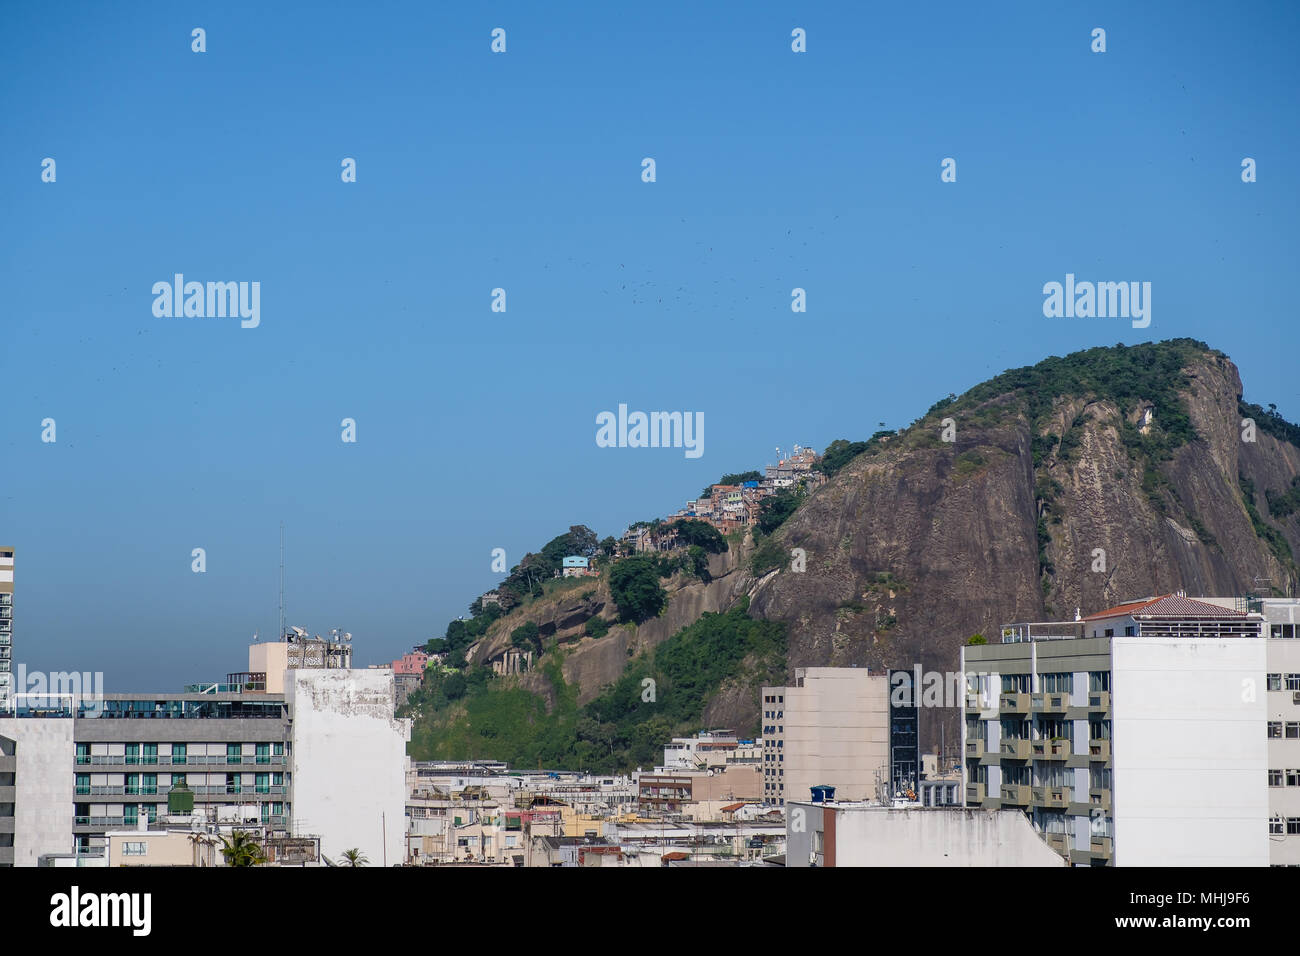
{"x":1295,"y":697}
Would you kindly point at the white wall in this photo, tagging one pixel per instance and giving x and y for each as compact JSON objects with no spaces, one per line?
{"x":880,"y":836}
{"x":349,"y":760}
{"x":1189,"y":752}
{"x":44,"y":778}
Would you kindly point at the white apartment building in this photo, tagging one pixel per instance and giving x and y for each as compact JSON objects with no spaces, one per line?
{"x":6,"y":627}
{"x":1131,"y":737}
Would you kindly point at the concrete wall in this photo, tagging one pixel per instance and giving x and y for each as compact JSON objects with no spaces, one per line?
{"x":881,"y":836}
{"x":348,"y":760}
{"x":1189,"y":752}
{"x":44,"y":758}
{"x":270,"y":658}
{"x":836,"y":732}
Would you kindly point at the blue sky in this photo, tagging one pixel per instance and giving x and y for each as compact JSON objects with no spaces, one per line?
{"x":476,"y":429}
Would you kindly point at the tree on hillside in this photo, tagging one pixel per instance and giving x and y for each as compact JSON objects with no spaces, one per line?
{"x":528,"y":637}
{"x":776,"y":508}
{"x":691,"y":532}
{"x":634,"y":586}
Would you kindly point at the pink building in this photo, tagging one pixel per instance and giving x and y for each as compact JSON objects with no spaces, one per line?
{"x":412,"y":663}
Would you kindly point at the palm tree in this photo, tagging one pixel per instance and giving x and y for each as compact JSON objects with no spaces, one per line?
{"x":354,"y":857}
{"x":242,"y":850}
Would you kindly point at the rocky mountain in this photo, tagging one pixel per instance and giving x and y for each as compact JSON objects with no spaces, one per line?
{"x":1076,"y":483}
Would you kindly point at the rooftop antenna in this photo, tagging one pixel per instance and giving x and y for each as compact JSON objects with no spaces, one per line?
{"x":281,"y":580}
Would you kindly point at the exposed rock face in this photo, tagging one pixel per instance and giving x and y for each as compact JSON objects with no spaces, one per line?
{"x":918,"y":544}
{"x":955,"y":528}
{"x":593,"y":663}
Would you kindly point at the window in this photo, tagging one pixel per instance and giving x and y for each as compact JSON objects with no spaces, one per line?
{"x":1274,"y":682}
{"x":150,"y":783}
{"x":1110,"y":632}
{"x":278,"y":750}
{"x":1293,"y":681}
{"x":1098,"y":681}
{"x":1276,"y":825}
{"x":178,"y":753}
{"x":83,"y":784}
{"x":1274,"y":729}
{"x":1130,"y":631}
{"x":234,"y":753}
{"x":262,"y":784}
{"x":1293,"y":778}
{"x":178,"y":780}
{"x":1293,"y":730}
{"x":232,"y":783}
{"x":132,"y":754}
{"x":1293,"y":826}
{"x":1275,"y":778}
{"x":132,"y":783}
{"x":263,"y":753}
{"x":83,"y":753}
{"x":130,"y":815}
{"x":1015,"y":683}
{"x":1099,"y":730}
{"x":134,"y":849}
{"x":150,"y":757}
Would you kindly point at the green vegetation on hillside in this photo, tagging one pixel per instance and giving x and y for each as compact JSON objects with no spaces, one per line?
{"x":660,"y":695}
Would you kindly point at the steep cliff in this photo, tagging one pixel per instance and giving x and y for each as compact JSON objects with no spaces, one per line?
{"x":1078,"y":482}
{"x":1110,"y":474}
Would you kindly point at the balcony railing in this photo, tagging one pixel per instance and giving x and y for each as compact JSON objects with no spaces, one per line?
{"x":214,"y":760}
{"x":1098,"y":749}
{"x":1051,"y":749}
{"x":1017,"y":794}
{"x":1101,"y":846}
{"x":975,"y":793}
{"x":1060,"y":842}
{"x":121,"y":790}
{"x":1099,"y":700}
{"x":975,"y":749}
{"x":1013,"y":703}
{"x":1099,"y":798}
{"x":1051,"y":796}
{"x":1050,"y":703}
{"x":1014,"y":748}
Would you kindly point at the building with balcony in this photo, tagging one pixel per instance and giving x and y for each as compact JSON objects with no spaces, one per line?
{"x":6,"y":628}
{"x":1128,"y":737}
{"x":230,"y":748}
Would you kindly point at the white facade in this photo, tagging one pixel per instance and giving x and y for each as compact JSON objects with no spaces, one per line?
{"x":831,"y":727}
{"x":1189,"y":755}
{"x":865,"y":835}
{"x":42,"y":756}
{"x":349,"y":759}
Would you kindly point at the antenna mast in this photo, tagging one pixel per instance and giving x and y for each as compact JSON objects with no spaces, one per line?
{"x":281,"y":635}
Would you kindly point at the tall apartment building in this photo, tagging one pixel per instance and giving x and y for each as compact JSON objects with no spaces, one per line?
{"x":1282,"y":700}
{"x":229,"y":749}
{"x":832,"y":728}
{"x":324,"y":757}
{"x":1130,"y":737}
{"x":6,"y":627}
